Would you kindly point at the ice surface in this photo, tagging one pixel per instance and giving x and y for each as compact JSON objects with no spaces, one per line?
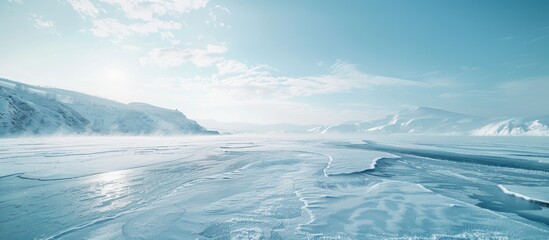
{"x":270,"y":187}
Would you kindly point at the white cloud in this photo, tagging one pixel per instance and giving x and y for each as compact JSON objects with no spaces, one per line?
{"x":154,"y":26}
{"x":40,"y":22}
{"x":259,"y":81}
{"x":148,"y":9}
{"x":223,"y":8}
{"x":231,"y":67}
{"x":171,"y":57}
{"x":16,"y":1}
{"x":170,"y":37}
{"x":349,"y":72}
{"x":142,"y":17}
{"x":110,"y":27}
{"x":213,"y":18}
{"x":84,"y":7}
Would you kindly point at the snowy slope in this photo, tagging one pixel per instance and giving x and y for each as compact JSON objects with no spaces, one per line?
{"x":413,"y":120}
{"x":167,"y":121}
{"x":25,"y":113}
{"x":536,"y":126}
{"x":29,"y":109}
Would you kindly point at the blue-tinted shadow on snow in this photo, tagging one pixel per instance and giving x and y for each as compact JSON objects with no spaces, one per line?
{"x":456,"y":157}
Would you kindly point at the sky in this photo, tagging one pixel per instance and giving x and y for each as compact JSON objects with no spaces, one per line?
{"x":302,"y":62}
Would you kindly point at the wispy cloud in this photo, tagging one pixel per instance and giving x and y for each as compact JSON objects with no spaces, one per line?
{"x":469,"y":68}
{"x":527,"y":87}
{"x":238,"y":79}
{"x":223,"y":9}
{"x":40,"y":22}
{"x":142,"y":17}
{"x":213,"y":18}
{"x":170,"y":57}
{"x":84,"y":7}
{"x":260,"y":81}
{"x":170,"y":37}
{"x":231,"y":67}
{"x":148,"y":9}
{"x":110,"y":27}
{"x":349,"y":72}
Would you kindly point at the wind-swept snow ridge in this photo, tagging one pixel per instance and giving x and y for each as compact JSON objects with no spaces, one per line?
{"x":32,"y":110}
{"x":346,"y":161}
{"x":489,"y":160}
{"x":534,"y":194}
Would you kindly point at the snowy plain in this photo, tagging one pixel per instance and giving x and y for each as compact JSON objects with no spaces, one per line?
{"x":274,"y":187}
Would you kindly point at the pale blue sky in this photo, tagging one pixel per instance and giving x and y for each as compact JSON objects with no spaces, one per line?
{"x":286,"y":61}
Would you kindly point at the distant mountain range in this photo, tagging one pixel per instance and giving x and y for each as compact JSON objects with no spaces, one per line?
{"x":425,"y":120}
{"x":32,"y":110}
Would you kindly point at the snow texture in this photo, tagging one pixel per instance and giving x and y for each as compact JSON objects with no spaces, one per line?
{"x":31,"y":110}
{"x":273,"y":187}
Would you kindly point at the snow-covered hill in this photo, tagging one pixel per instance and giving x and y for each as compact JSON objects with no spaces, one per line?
{"x":413,"y":120}
{"x":29,"y":110}
{"x":537,"y":126}
{"x":28,"y":114}
{"x":436,"y":121}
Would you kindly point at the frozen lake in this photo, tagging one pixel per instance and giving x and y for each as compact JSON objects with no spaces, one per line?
{"x":274,"y":187}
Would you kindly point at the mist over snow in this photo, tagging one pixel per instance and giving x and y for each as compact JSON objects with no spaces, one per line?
{"x":273,"y":120}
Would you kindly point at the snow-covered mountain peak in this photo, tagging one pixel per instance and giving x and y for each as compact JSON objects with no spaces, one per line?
{"x":534,"y":126}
